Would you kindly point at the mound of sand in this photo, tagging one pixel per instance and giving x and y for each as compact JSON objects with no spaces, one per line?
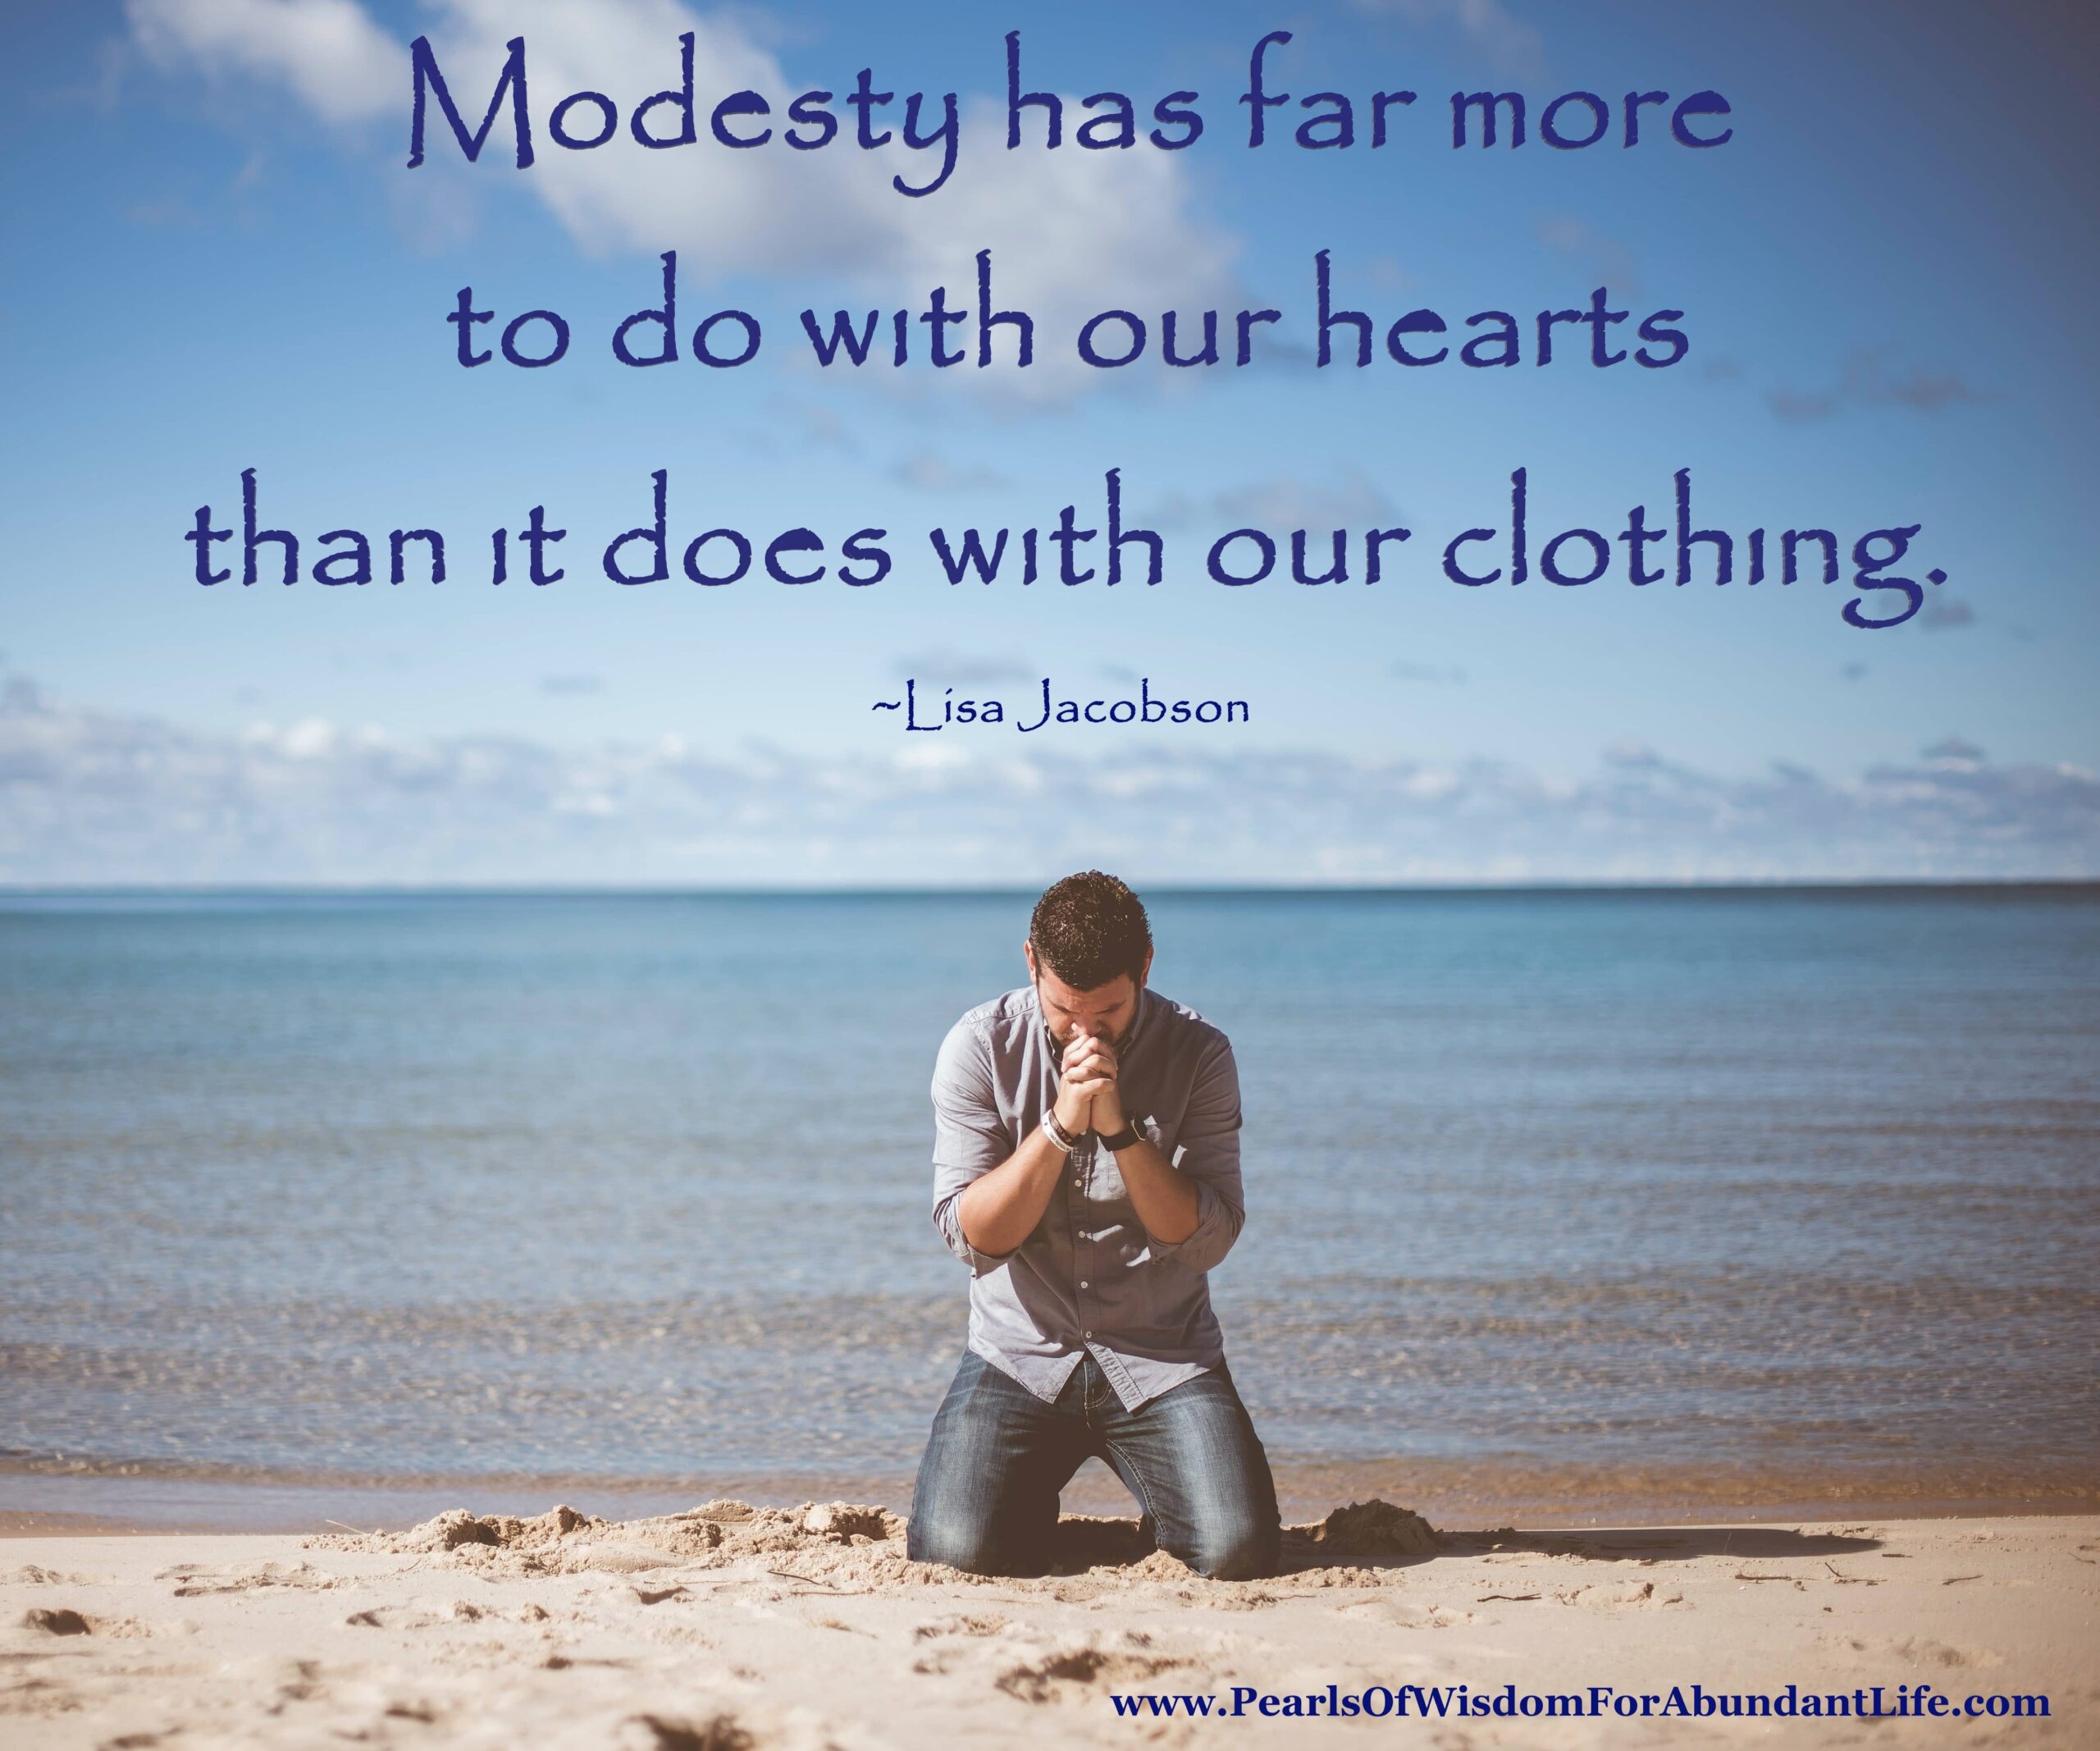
{"x":1374,"y":1528}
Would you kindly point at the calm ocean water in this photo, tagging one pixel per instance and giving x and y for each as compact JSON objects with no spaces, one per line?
{"x":1782,"y":1186}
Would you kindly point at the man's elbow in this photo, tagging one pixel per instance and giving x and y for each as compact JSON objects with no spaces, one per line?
{"x":1217,"y":1227}
{"x":947,"y":1223}
{"x":947,"y":1219}
{"x":1212,"y":1249}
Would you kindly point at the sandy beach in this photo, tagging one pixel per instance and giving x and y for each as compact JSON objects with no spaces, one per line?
{"x":727,"y":1625}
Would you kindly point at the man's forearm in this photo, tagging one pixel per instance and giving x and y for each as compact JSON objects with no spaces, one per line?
{"x":998,"y":1210}
{"x":1164,"y":1198}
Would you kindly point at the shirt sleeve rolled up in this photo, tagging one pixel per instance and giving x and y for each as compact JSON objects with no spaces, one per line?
{"x":1208,"y":1152}
{"x":970,"y":1137}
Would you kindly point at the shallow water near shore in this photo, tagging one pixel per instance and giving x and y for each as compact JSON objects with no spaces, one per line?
{"x":1635,"y":1196}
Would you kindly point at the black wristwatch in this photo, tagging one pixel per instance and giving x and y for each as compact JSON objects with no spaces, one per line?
{"x":1123,"y":1139}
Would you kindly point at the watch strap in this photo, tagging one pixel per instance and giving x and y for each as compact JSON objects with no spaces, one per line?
{"x":1122,"y":1139}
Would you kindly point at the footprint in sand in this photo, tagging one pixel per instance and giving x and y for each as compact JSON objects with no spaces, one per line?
{"x":137,"y":1629}
{"x":297,"y":1681}
{"x":396,"y":1617}
{"x":1080,"y":1671}
{"x":956,"y":1643}
{"x":1412,"y":1617}
{"x":1625,"y":1596}
{"x":193,"y":1579}
{"x":719,"y":1732}
{"x":959,"y":1623}
{"x":1923,"y":1651}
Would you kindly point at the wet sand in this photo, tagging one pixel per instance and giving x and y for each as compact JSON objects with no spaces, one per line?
{"x":52,"y":1494}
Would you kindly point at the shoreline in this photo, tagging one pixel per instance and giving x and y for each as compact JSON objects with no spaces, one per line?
{"x":49,"y":1497}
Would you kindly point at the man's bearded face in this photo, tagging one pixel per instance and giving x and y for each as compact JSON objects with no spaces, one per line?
{"x":1108,"y":1013}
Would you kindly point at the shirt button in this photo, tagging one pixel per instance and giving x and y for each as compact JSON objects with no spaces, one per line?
{"x":1082,"y":1282}
{"x":1086,"y":1334}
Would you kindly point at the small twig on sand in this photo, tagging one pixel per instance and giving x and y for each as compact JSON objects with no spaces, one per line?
{"x":1952,"y":1578}
{"x":807,"y":1580}
{"x":1743,"y":1577}
{"x":1485,"y":1597}
{"x":348,"y":1528}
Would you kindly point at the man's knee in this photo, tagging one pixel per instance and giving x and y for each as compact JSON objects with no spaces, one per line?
{"x":962,"y":1542}
{"x":958,"y":1543}
{"x":1241,"y":1550}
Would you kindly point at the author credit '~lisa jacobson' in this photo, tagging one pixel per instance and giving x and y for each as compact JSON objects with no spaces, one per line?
{"x":1046,"y":708}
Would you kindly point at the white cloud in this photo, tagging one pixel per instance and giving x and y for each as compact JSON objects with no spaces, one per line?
{"x":94,"y":797}
{"x":335,"y":59}
{"x":1071,"y":232}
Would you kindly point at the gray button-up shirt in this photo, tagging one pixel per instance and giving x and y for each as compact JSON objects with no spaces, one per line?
{"x":1089,"y":1274}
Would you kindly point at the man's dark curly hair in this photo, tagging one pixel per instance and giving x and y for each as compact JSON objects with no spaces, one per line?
{"x":1089,"y":927}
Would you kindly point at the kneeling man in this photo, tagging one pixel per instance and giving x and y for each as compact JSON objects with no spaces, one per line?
{"x":1086,"y":1168}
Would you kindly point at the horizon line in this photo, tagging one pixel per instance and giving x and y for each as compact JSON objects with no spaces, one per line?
{"x":604,"y":890}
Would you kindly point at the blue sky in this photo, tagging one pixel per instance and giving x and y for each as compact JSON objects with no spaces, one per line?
{"x":217,"y":259}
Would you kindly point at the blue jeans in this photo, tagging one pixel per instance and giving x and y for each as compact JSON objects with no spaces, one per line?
{"x":986,"y":1498}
